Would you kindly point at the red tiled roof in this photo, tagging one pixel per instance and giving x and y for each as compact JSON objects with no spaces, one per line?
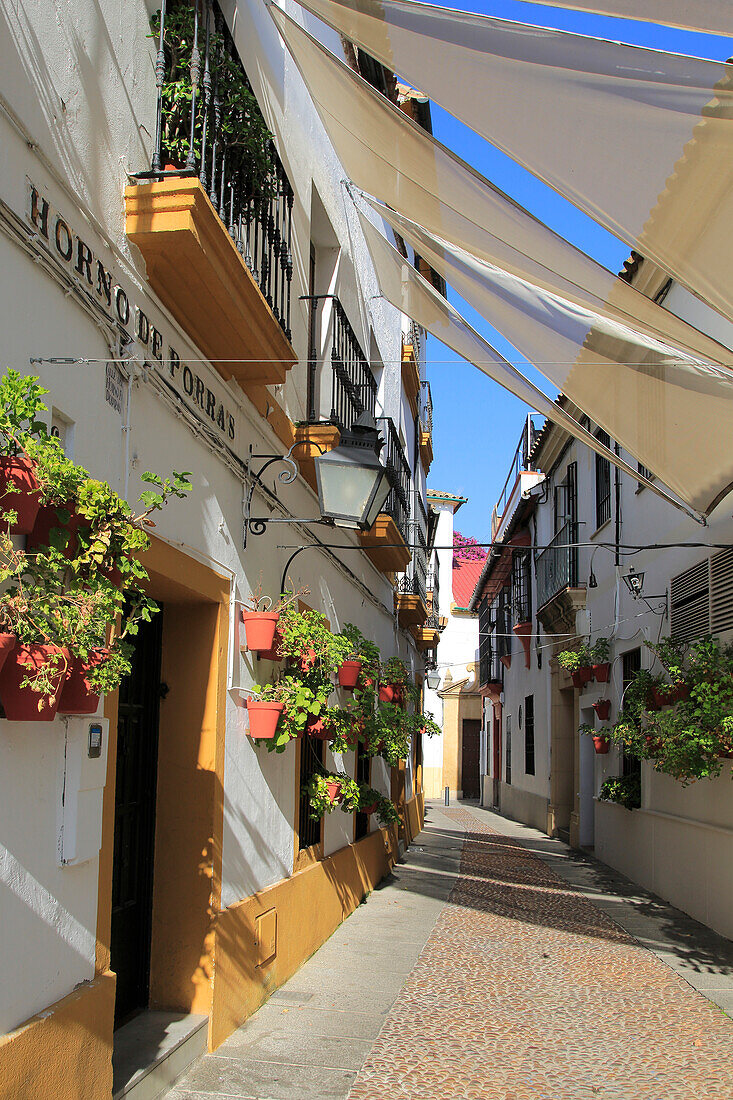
{"x":465,"y":576}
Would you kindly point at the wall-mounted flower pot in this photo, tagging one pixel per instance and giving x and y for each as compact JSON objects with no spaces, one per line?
{"x":581,"y":676}
{"x":602,"y":672}
{"x":77,"y":696}
{"x":368,"y":682}
{"x":601,"y":745}
{"x":272,"y":654}
{"x":259,"y":629}
{"x":391,"y":693}
{"x":306,"y":660}
{"x":7,"y":642}
{"x":316,"y":727}
{"x":368,"y":809}
{"x":668,"y":694}
{"x":654,"y":746}
{"x":263,"y":718}
{"x":48,"y":519}
{"x":348,"y":674}
{"x":19,"y":491}
{"x":22,"y":704}
{"x":603,"y":709}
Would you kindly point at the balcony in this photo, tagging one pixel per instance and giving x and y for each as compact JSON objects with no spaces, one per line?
{"x":427,"y":634}
{"x":387,"y":543}
{"x":559,"y":596}
{"x":212,"y":216}
{"x":341,"y":385}
{"x":411,"y":595}
{"x":411,"y":367}
{"x":519,"y":481}
{"x":426,"y":426}
{"x":491,"y":672}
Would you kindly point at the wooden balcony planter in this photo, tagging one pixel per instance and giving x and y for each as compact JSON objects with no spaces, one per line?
{"x":411,"y":377}
{"x":385,"y":546}
{"x":411,"y":611}
{"x":426,"y":449}
{"x":313,"y":439}
{"x":197,"y":272}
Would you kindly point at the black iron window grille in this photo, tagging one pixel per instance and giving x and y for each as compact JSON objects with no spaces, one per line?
{"x":353,"y":385}
{"x":557,"y":565}
{"x":209,"y":124}
{"x":415,"y":580}
{"x":426,"y":408}
{"x":521,"y":586}
{"x":485,"y":631}
{"x":529,"y":735}
{"x":311,"y":763}
{"x":603,"y":482}
{"x":398,"y":474}
{"x":433,"y":584}
{"x":508,"y":750}
{"x":504,"y":624}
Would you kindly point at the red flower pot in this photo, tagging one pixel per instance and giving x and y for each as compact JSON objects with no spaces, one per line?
{"x":259,"y":629}
{"x":368,"y":809}
{"x":334,"y":791}
{"x":19,"y":491}
{"x":77,"y":696}
{"x":7,"y":641}
{"x":47,"y":519}
{"x":317,"y":728}
{"x":602,"y":709}
{"x":263,"y":719}
{"x":581,"y":676}
{"x":601,"y":745}
{"x":21,"y":704}
{"x":272,"y":654}
{"x":348,"y":674}
{"x":368,"y":682}
{"x":601,"y":672}
{"x":386,"y":693}
{"x":679,"y":693}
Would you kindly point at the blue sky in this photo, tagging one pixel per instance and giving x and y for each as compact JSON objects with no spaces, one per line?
{"x":476,"y":423}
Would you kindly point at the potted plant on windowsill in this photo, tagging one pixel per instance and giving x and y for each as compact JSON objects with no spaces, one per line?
{"x":578,"y":663}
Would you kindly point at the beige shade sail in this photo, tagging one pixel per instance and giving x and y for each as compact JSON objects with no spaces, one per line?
{"x":390,"y":157}
{"x":708,"y":16}
{"x":655,"y":399}
{"x":409,"y":292}
{"x":603,"y":123}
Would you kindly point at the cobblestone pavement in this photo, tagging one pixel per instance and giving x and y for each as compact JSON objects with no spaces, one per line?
{"x":527,"y":991}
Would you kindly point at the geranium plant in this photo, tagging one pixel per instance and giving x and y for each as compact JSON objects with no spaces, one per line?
{"x":325,"y":792}
{"x":622,"y":789}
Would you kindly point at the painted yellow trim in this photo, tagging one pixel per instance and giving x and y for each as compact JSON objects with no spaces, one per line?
{"x":385,"y":546}
{"x":65,"y":1052}
{"x":310,"y":905}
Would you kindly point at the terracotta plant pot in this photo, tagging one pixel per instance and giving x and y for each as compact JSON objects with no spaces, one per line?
{"x":581,"y":676}
{"x":601,"y":745}
{"x":602,"y":709}
{"x":47,"y":519}
{"x":21,"y":704}
{"x":263,"y":719}
{"x":334,"y":791}
{"x":259,"y":629}
{"x":601,"y":672}
{"x":316,"y":728}
{"x":368,"y":682}
{"x":386,"y":693}
{"x":369,"y":809}
{"x":348,"y":674}
{"x":272,"y":654}
{"x":19,"y":491}
{"x":77,"y":696}
{"x":7,"y":641}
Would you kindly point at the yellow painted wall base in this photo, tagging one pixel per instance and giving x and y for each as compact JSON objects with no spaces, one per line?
{"x":432,"y":780}
{"x":414,"y":816}
{"x":310,"y":906}
{"x":65,"y":1053}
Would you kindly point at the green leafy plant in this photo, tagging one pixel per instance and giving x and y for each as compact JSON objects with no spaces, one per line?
{"x":600,"y":651}
{"x":573,"y":659}
{"x":320,"y":798}
{"x":359,"y":648}
{"x":370,"y":799}
{"x":242,"y":132}
{"x":670,"y":654}
{"x":394,"y":671}
{"x":623,"y":789}
{"x":586,"y":730}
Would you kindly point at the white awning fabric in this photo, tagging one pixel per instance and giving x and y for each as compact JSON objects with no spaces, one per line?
{"x":409,"y":292}
{"x":390,"y":157}
{"x":655,"y":399}
{"x":629,"y":135}
{"x":708,"y":16}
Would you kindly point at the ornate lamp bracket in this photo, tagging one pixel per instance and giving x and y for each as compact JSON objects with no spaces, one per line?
{"x":257,"y":525}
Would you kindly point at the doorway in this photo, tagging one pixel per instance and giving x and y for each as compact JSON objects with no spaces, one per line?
{"x":470,"y":752}
{"x":134,"y":832}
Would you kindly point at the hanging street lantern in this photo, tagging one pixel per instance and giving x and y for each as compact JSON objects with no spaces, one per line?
{"x":353,"y":485}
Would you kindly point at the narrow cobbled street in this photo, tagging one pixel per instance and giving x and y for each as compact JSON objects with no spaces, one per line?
{"x":493,"y":963}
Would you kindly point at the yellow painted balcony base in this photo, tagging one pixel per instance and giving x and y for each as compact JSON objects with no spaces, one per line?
{"x":410,"y":609}
{"x":385,"y":546}
{"x":411,"y":376}
{"x":197,"y":272}
{"x":426,"y":636}
{"x":310,"y":905}
{"x":313,"y":439}
{"x":426,"y":449}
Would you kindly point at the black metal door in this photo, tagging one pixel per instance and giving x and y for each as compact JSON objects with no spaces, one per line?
{"x":470,"y":779}
{"x":137,"y":772}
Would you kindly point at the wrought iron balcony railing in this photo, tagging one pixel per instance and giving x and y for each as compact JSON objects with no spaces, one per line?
{"x":353,"y":387}
{"x":426,"y":408}
{"x":208,"y":120}
{"x":491,"y":670}
{"x":433,"y":586}
{"x":414,"y":581}
{"x":557,"y":565}
{"x":398,"y":473}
